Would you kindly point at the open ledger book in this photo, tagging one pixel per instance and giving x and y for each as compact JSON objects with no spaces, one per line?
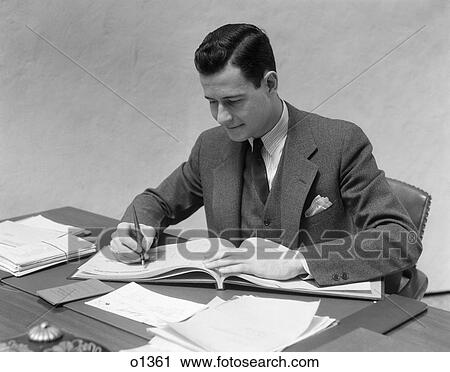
{"x":183,"y":263}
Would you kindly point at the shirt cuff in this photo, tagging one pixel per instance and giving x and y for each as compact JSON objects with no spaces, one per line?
{"x":302,"y":259}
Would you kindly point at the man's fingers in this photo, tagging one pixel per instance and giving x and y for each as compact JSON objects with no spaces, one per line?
{"x":218,"y":256}
{"x":236,"y":253}
{"x":233,"y":269}
{"x":148,"y":231}
{"x":124,"y":253}
{"x":124,"y":256}
{"x":124,"y":244}
{"x":125,"y":230}
{"x":221,"y":263}
{"x":147,"y":242}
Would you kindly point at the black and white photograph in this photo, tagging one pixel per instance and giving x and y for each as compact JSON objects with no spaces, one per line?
{"x":224,"y":184}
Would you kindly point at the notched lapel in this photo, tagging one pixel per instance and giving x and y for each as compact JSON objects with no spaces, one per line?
{"x":228,"y":189}
{"x":298,"y":173}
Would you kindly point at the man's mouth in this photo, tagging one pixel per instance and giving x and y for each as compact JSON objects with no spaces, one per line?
{"x":236,"y":126}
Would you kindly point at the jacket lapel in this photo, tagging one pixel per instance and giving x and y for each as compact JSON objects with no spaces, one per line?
{"x":298,"y":173}
{"x":228,"y":190}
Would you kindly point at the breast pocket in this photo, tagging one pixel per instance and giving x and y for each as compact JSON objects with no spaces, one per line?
{"x":320,"y":217}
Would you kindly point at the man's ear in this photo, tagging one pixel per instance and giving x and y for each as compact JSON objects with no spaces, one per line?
{"x":271,"y":81}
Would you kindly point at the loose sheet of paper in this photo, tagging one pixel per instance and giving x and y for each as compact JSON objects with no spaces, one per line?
{"x":142,"y":305}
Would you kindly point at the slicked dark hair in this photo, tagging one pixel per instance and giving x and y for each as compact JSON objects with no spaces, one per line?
{"x":243,"y":45}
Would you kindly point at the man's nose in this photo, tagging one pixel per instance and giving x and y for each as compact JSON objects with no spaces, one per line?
{"x":223,"y":115}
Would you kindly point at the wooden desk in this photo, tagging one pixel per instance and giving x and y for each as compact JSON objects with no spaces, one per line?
{"x":431,"y":330}
{"x":18,"y":309}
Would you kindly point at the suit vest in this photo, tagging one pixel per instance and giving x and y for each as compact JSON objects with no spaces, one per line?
{"x":257,"y":219}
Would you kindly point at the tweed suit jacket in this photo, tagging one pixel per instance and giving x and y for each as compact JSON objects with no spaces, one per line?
{"x":365,"y":234}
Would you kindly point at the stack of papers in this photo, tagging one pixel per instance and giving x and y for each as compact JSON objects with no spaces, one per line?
{"x":244,"y":323}
{"x":44,"y":223}
{"x":37,"y":242}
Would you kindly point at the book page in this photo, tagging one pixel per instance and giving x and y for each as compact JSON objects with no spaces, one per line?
{"x":297,"y":283}
{"x":163,"y":260}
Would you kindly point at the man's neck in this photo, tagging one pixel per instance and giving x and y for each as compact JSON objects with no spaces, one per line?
{"x":276,"y":114}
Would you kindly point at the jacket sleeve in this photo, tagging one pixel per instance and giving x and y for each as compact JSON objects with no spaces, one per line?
{"x":385,"y":239}
{"x":175,"y":199}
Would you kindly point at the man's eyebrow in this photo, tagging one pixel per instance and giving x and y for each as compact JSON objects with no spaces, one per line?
{"x":227,"y":97}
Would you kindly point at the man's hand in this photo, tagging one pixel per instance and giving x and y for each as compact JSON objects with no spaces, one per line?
{"x":125,"y":248}
{"x":258,"y":257}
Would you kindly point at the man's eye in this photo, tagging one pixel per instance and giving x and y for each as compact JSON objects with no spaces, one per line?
{"x":233,"y":102}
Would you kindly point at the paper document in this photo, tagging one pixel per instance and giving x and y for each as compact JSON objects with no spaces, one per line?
{"x":134,"y":302}
{"x":45,"y":223}
{"x":166,"y":339}
{"x":169,"y":341}
{"x":74,"y":291}
{"x":244,"y":323}
{"x":24,"y":249}
{"x":248,"y":323}
{"x":159,"y":344}
{"x":14,"y":234}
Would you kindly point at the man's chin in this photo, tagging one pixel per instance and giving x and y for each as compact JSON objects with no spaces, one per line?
{"x":236,"y":137}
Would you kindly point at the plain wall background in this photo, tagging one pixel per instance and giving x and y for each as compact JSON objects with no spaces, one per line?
{"x":67,"y":140}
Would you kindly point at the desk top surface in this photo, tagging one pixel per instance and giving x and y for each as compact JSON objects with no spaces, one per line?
{"x":20,"y":308}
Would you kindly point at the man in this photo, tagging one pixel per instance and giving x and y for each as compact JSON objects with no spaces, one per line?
{"x":293,"y":179}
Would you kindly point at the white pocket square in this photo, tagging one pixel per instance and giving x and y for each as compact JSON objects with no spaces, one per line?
{"x":319,"y":204}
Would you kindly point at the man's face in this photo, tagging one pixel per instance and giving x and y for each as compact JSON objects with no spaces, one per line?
{"x":243,"y":110}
